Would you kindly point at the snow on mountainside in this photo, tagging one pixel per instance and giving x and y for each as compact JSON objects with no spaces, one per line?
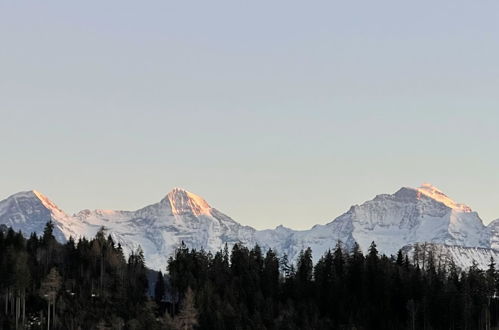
{"x":29,"y":211}
{"x":463,"y":257}
{"x":160,"y":228}
{"x":408,"y":216}
{"x":414,"y":215}
{"x":493,"y":232}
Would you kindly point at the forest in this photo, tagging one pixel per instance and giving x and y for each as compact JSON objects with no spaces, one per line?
{"x":90,"y":284}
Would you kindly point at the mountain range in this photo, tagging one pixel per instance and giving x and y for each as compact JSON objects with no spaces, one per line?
{"x":393,"y":221}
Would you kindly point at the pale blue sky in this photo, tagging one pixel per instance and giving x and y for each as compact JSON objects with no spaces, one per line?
{"x":277,"y":112}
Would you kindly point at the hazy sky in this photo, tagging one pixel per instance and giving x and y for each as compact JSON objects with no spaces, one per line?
{"x":276,"y":112}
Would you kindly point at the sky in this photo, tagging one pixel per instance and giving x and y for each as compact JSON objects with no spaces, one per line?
{"x":276,"y":112}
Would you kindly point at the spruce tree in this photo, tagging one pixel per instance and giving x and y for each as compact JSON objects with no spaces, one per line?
{"x":159,"y":289}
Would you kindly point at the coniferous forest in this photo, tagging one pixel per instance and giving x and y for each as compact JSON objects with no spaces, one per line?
{"x":89,"y":284}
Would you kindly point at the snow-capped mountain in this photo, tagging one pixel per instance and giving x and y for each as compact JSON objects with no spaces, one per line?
{"x":29,"y":211}
{"x":160,"y":228}
{"x":408,"y":216}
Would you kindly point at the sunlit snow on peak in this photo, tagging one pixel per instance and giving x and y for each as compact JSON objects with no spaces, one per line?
{"x":47,"y":202}
{"x":183,"y":201}
{"x":44,"y":199}
{"x":433,"y":192}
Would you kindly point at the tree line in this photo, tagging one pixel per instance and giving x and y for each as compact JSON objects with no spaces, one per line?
{"x":86,"y":284}
{"x":248,"y":289}
{"x":89,"y":284}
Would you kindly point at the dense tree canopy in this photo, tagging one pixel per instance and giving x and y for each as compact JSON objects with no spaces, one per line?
{"x":89,"y":284}
{"x":70,"y":286}
{"x":344,"y":290}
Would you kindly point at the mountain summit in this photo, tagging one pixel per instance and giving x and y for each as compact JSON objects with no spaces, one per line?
{"x":183,"y":201}
{"x":29,"y":211}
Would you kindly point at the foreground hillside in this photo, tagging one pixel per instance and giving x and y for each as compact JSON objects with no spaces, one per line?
{"x":89,"y":284}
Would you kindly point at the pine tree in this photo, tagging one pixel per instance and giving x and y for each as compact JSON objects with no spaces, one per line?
{"x":491,"y":275}
{"x":339,"y":260}
{"x":491,"y":278}
{"x":159,"y":289}
{"x":303,"y":279}
{"x":400,"y":258}
{"x":373,"y":251}
{"x":305,"y":266}
{"x":48,"y":232}
{"x":137,"y":279}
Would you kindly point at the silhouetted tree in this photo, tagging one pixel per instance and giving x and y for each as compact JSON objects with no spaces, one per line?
{"x":159,"y":289}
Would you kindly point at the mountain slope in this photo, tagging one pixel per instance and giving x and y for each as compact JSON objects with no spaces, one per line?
{"x":493,"y":232}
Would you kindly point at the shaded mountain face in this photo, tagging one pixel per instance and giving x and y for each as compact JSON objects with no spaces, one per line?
{"x":408,"y":216}
{"x":493,"y":233}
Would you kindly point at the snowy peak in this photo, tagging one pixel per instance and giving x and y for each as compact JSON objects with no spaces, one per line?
{"x":431,"y":191}
{"x":47,"y":202}
{"x":410,"y":215}
{"x":30,"y":194}
{"x":35,"y":197}
{"x":425,"y":192}
{"x":29,"y":211}
{"x":23,"y":199}
{"x":183,"y":201}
